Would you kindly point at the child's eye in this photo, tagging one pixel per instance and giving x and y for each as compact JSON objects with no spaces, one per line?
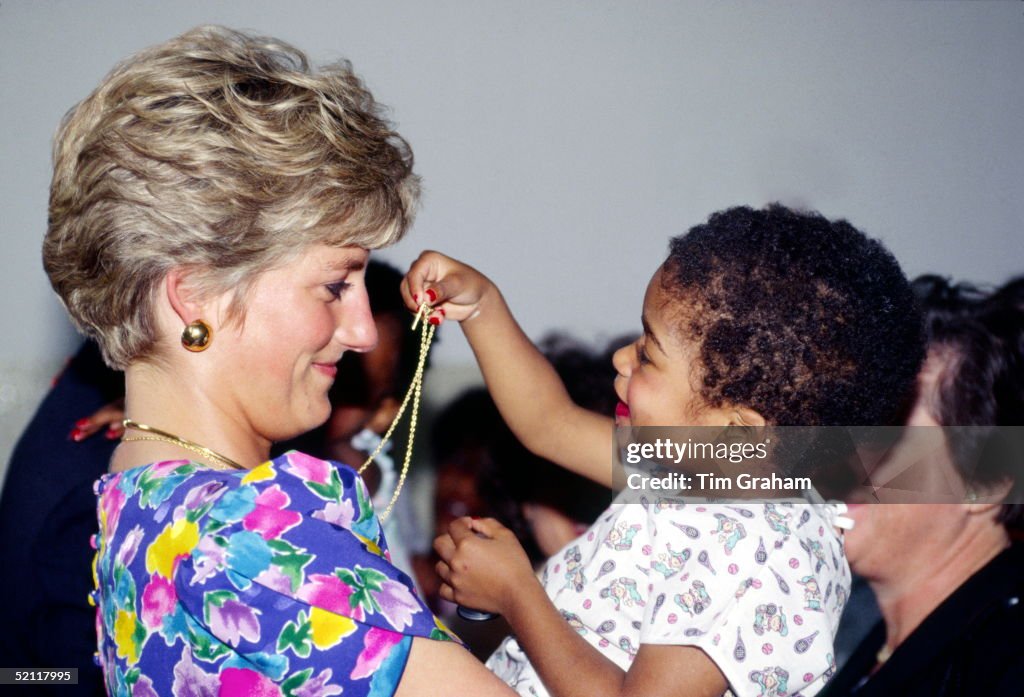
{"x":337,"y":288}
{"x":641,"y":355}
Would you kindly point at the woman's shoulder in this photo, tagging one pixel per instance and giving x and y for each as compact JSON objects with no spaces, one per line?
{"x":294,"y":481}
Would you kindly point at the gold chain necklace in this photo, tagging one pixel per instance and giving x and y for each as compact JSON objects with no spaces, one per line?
{"x":413,"y":395}
{"x":155,"y":434}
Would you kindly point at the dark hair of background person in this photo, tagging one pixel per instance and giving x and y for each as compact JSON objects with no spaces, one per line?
{"x":521,"y":477}
{"x":980,"y":337}
{"x":783,"y":300}
{"x":470,"y":437}
{"x":383,"y":284}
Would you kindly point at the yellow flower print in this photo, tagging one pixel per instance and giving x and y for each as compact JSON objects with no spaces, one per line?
{"x":259,"y":474}
{"x":175,"y":541}
{"x":329,"y":628}
{"x":369,"y":544}
{"x":125,"y":636}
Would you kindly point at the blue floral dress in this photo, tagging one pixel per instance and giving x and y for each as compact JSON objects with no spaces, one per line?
{"x":273,"y":581}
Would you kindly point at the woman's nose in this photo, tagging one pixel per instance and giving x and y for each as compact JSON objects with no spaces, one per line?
{"x":356,"y":329}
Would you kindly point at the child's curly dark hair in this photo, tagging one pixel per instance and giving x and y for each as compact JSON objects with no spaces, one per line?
{"x":805,"y":320}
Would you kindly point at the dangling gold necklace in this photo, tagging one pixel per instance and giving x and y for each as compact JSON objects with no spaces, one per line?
{"x":155,"y":434}
{"x":412,"y":395}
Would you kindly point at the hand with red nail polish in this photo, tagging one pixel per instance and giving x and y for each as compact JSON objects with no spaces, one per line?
{"x":108,"y":419}
{"x":452,"y":289}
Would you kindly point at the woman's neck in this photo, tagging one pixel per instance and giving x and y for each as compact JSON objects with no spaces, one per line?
{"x":914,"y":590}
{"x":160,"y":397}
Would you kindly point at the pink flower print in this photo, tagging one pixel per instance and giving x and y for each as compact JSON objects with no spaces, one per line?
{"x":318,"y":687}
{"x":234,"y":621}
{"x":164,"y":467}
{"x":330,"y":593}
{"x":377,"y":644}
{"x":130,"y":546}
{"x":242,"y":681}
{"x":112,"y":502}
{"x":270,"y":517}
{"x":210,"y":559}
{"x":309,"y":468}
{"x":158,"y":600}
{"x":341,"y":514}
{"x":191,"y":680}
{"x":397,"y":604}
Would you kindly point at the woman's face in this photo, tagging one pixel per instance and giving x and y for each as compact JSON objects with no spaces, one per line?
{"x":887,"y":537}
{"x":279,"y":362}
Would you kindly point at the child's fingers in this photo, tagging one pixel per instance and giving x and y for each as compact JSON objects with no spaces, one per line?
{"x":488,"y":527}
{"x":443,"y":571}
{"x":445,"y":547}
{"x":461,"y":529}
{"x":422,"y":273}
{"x":447,"y":592}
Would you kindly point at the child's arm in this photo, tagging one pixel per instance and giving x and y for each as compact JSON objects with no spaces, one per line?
{"x":493,"y":573}
{"x":526,"y":389}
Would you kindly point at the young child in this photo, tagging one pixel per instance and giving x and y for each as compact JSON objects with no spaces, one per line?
{"x":758,"y":317}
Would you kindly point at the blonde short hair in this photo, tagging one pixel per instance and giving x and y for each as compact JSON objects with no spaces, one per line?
{"x":220,"y":152}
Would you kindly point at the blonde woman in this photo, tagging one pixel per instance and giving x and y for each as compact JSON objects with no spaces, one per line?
{"x":213,"y":205}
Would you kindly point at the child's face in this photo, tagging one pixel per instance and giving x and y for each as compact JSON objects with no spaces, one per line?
{"x":658,"y":373}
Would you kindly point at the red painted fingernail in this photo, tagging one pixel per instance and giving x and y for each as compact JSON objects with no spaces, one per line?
{"x":435,"y":321}
{"x":112,"y":434}
{"x":431,"y":295}
{"x":415,"y":297}
{"x":443,"y":313}
{"x":77,"y":434}
{"x":81,"y":423}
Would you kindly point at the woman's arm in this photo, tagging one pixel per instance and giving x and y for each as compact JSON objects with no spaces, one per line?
{"x":445,"y":669}
{"x":492,"y":573}
{"x":525,"y":387}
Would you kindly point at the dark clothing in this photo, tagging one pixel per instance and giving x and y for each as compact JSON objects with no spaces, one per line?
{"x":47,"y":515}
{"x":972,"y":644}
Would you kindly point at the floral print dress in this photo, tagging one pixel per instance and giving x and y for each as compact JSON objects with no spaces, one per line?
{"x":274,"y":581}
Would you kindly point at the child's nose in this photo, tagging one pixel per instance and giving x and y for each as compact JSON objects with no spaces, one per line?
{"x":623,"y":360}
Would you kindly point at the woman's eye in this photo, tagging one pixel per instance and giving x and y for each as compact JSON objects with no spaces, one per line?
{"x":337,"y":288}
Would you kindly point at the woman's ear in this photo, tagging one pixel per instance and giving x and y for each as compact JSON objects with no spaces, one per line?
{"x":986,"y":499}
{"x":183,"y":296}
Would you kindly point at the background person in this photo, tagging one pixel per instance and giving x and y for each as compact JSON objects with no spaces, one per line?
{"x":947,"y":577}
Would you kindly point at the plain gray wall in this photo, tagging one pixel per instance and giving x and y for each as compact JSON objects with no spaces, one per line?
{"x":561,"y":144}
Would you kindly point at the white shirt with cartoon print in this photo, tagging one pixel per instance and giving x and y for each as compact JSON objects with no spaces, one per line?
{"x":759,"y":587}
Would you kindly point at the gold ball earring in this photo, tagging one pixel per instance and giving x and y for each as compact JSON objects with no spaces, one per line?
{"x":197,"y":336}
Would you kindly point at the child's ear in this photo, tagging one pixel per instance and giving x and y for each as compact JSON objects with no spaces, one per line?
{"x":744,"y":416}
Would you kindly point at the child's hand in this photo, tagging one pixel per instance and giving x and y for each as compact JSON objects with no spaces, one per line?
{"x":455,"y":290}
{"x":482,"y":564}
